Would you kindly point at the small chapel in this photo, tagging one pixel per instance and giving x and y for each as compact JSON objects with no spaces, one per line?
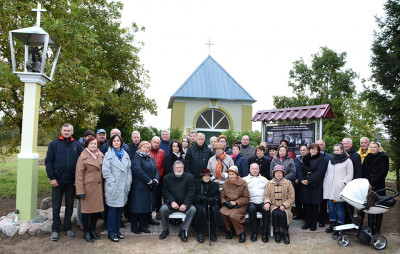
{"x":211,"y":101}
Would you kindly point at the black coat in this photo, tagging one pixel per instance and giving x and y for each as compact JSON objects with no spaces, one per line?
{"x":206,"y":194}
{"x":264,"y":163}
{"x":375,"y":169}
{"x":132,"y":149}
{"x":180,"y":190}
{"x":196,"y":159}
{"x":313,"y":171}
{"x":61,"y":159}
{"x":169,"y":162}
{"x":357,"y":165}
{"x":141,"y":199}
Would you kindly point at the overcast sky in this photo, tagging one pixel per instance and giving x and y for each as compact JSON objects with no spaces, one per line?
{"x":255,"y":41}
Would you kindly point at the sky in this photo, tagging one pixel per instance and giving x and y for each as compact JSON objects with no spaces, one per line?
{"x":255,"y":41}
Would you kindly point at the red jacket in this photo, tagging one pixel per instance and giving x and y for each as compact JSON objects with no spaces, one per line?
{"x":159,"y":156}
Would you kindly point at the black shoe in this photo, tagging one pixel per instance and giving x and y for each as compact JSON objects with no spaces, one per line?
{"x":321,"y":225}
{"x":158,"y":216}
{"x":265,"y":238}
{"x":330,"y":228}
{"x":88,"y":237}
{"x":136,"y":231}
{"x":153,"y":222}
{"x":164,"y":235}
{"x":286,"y":238}
{"x":94,"y":235}
{"x":120,"y":236}
{"x":253,"y":237}
{"x":113,"y":238}
{"x":229,"y":234}
{"x":277,"y":237}
{"x":213,"y":237}
{"x":121,"y":225}
{"x":183,"y":236}
{"x":306,"y":226}
{"x":145,"y":230}
{"x":242,"y":237}
{"x":313,"y":227}
{"x":200,"y":238}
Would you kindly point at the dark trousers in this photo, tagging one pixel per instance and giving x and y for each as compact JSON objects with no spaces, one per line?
{"x":299,"y":204}
{"x":159,"y":195}
{"x":323,"y":211}
{"x":113,"y":219}
{"x":375,"y":222}
{"x":311,"y":214}
{"x":89,"y":221}
{"x":140,"y":218}
{"x":252,"y":210}
{"x":57,"y":194}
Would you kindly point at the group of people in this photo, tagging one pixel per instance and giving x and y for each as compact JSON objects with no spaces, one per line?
{"x":214,"y":185}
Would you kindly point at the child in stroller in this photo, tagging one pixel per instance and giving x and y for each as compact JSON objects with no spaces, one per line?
{"x":356,"y":194}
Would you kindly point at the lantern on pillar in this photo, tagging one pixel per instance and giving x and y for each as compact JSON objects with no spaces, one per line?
{"x":32,"y":72}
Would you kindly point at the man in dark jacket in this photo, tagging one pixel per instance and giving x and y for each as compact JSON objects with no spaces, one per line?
{"x":197,"y":156}
{"x":133,"y":147}
{"x":60,"y":161}
{"x":178,"y":192}
{"x":165,"y":142}
{"x":354,"y":156}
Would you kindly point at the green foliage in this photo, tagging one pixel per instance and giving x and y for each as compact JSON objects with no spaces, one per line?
{"x":99,"y":80}
{"x":147,"y":133}
{"x":176,"y":133}
{"x":384,"y":93}
{"x":233,"y":136}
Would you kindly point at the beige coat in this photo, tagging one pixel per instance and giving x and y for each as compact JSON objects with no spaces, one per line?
{"x":212,"y":164}
{"x":336,"y":177}
{"x":278,"y":194}
{"x":89,"y":181}
{"x":238,"y":192}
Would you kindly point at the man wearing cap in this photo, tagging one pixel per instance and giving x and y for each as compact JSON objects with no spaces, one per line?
{"x":235,"y":197}
{"x":178,"y":192}
{"x":219,"y":163}
{"x":101,"y":136}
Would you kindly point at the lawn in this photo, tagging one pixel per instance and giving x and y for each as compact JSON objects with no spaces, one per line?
{"x":8,"y":175}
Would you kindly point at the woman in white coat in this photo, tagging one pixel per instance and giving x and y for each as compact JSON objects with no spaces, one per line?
{"x":117,"y":176}
{"x":338,"y":174}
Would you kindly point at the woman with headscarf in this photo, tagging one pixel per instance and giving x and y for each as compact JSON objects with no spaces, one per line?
{"x":206,"y":200}
{"x":235,"y":197}
{"x":278,"y":198}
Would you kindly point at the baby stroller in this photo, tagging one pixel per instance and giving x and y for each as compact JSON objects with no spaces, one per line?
{"x":355,"y":193}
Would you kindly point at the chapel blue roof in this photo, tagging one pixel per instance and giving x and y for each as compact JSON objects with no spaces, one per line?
{"x":211,"y":81}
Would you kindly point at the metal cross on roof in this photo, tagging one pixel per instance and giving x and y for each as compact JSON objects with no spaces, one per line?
{"x":38,"y":10}
{"x":209,"y":45}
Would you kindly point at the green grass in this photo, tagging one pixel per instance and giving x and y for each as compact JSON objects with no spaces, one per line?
{"x":391,"y":175}
{"x":8,"y":175}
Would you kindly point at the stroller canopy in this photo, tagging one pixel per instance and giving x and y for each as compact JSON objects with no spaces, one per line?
{"x":356,"y":192}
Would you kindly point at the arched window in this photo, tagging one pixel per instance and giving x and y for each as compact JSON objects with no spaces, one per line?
{"x":212,"y":119}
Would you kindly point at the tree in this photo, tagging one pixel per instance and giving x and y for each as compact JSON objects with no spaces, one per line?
{"x":384,"y":93}
{"x":98,"y":76}
{"x":324,"y":82}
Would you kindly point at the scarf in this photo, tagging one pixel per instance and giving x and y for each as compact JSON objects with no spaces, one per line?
{"x":338,"y":158}
{"x":119,"y":153}
{"x":177,"y":154}
{"x":143,"y":155}
{"x":94,"y":155}
{"x":218,"y":168}
{"x":233,"y":156}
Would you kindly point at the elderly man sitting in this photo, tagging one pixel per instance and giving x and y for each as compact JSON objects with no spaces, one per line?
{"x":178,"y":192}
{"x":256,"y":183}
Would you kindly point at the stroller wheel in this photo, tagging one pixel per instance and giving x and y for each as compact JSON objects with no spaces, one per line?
{"x":378,"y":242}
{"x":335,"y":235}
{"x":343,"y":240}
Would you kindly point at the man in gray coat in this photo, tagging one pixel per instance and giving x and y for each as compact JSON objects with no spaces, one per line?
{"x":248,"y":151}
{"x":178,"y":192}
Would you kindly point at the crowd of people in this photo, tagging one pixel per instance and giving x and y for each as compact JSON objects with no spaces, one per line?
{"x":215,"y":185}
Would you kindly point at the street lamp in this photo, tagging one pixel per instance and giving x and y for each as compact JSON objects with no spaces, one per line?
{"x":37,"y":52}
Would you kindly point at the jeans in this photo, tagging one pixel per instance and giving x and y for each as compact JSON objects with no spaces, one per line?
{"x":336,"y":211}
{"x":57,"y":194}
{"x":113,"y":219}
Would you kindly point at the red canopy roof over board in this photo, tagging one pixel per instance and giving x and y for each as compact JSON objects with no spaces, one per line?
{"x":298,"y":113}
